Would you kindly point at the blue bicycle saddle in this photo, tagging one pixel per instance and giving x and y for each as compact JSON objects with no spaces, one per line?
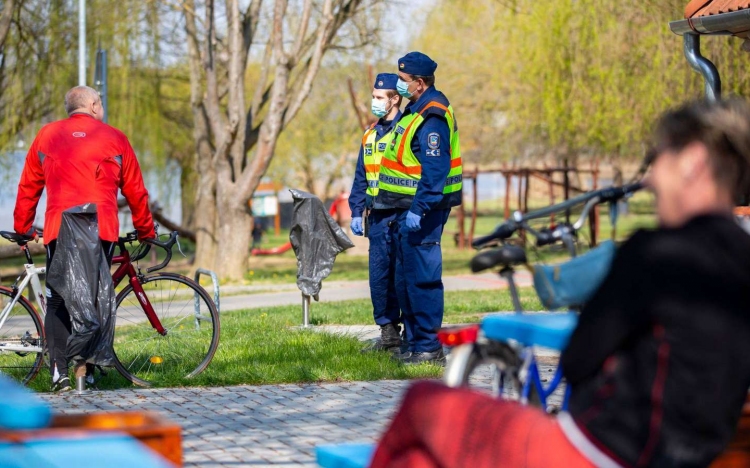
{"x":551,"y":330}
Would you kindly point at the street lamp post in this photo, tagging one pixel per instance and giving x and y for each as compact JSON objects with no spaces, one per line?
{"x":81,"y":42}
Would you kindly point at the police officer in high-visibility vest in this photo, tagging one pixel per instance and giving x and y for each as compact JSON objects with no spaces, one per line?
{"x":420,"y":176}
{"x":378,"y":220}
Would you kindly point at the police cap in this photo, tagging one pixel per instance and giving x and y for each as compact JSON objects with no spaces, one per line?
{"x":386,"y":81}
{"x":417,"y":63}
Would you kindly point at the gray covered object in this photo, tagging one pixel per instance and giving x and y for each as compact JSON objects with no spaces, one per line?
{"x":316,"y":239}
{"x":79,"y":272}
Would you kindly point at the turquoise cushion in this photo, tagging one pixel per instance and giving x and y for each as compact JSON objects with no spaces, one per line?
{"x":20,"y":408}
{"x":550,"y":330}
{"x":89,"y":449}
{"x":344,"y":456}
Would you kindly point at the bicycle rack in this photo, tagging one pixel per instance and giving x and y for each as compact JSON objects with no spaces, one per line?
{"x":214,"y":280}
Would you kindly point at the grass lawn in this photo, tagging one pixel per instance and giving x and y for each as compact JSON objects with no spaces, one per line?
{"x":265,"y":347}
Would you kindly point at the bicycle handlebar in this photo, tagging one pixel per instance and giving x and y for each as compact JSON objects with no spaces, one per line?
{"x":510,"y":226}
{"x":166,"y":245}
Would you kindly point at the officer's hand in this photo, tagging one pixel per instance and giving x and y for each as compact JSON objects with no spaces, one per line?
{"x":357,"y":226}
{"x":412,"y":221}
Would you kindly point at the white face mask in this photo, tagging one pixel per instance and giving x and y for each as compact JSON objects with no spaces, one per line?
{"x":379,"y":108}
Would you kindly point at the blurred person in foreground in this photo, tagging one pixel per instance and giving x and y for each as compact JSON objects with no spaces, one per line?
{"x":658,"y":362}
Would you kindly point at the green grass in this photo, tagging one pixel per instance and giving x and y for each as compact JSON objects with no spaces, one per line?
{"x":267,"y":347}
{"x":283,"y":268}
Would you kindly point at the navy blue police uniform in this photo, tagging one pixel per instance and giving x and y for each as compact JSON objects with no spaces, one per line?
{"x":380,"y":221}
{"x":419,"y":258}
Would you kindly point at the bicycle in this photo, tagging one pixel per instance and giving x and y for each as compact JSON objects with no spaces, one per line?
{"x":166,"y":326}
{"x":506,"y":342}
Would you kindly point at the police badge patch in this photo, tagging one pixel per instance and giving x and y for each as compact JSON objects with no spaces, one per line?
{"x":433,"y":140}
{"x":381,"y":146}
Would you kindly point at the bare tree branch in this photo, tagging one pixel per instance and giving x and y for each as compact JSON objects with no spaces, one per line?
{"x":5,"y":17}
{"x":324,"y":30}
{"x":302,"y":31}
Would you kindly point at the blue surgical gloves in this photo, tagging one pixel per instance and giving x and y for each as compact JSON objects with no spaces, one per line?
{"x":356,"y":226}
{"x":412,"y":221}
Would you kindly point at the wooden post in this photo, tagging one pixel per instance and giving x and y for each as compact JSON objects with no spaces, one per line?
{"x":277,"y":218}
{"x":474,"y":200}
{"x":594,"y":216}
{"x":520,"y":203}
{"x":526,"y":190}
{"x":507,"y":195}
{"x":551,"y":188}
{"x":566,"y":187}
{"x":460,"y":221}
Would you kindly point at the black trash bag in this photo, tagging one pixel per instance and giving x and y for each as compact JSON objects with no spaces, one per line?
{"x":316,"y":239}
{"x":79,"y":272}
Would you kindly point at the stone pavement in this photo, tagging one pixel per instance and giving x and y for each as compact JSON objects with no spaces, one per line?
{"x":277,"y":425}
{"x":248,"y":297}
{"x":270,"y":425}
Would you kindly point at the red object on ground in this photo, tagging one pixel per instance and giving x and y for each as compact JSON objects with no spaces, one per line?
{"x":438,"y":426}
{"x":274,"y":251}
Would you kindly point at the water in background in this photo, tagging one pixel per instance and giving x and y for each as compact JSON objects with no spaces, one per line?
{"x":163,"y":185}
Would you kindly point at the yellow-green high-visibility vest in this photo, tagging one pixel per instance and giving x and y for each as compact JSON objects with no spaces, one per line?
{"x":401,"y":171}
{"x":372,"y":153}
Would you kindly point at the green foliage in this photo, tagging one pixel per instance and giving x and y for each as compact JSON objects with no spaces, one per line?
{"x":586,"y":77}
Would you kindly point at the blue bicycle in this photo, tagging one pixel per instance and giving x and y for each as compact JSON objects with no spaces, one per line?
{"x":507,"y":342}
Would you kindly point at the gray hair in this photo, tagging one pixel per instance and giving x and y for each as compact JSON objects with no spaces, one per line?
{"x":79,"y":97}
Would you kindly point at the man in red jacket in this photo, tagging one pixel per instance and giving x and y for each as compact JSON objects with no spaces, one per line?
{"x":79,"y":160}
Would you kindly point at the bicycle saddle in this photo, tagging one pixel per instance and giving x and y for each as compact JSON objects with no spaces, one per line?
{"x":507,"y":255}
{"x":19,"y":239}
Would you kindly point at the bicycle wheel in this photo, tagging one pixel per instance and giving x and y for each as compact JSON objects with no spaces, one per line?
{"x":469,"y":364}
{"x":190,"y":318}
{"x":22,"y":328}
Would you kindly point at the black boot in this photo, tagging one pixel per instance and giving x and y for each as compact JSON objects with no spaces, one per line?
{"x":390,"y":339}
{"x":436,"y":357}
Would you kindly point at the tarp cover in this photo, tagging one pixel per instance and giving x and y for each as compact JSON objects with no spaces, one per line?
{"x":316,"y":239}
{"x":79,"y":272}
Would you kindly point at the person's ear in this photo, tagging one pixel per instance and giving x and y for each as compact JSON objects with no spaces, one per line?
{"x":693,"y":161}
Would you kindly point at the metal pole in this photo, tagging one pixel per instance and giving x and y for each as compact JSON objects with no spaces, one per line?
{"x":711,"y":78}
{"x":105,"y":88}
{"x":81,"y":42}
{"x":305,"y":311}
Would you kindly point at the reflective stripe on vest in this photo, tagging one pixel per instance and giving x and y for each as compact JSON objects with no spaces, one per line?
{"x":372,"y":154}
{"x":400,"y":169}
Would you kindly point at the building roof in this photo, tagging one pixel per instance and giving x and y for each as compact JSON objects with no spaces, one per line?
{"x":700,"y":8}
{"x":715,"y":17}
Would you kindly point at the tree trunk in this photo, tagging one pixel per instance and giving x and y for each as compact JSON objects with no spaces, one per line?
{"x":188,"y":184}
{"x":234,"y":229}
{"x":206,"y":243}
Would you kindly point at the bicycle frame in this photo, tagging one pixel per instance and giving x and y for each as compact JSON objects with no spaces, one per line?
{"x":126,"y":268}
{"x":29,"y":276}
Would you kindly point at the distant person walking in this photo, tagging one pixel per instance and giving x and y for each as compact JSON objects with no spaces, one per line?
{"x":377,"y":221}
{"x":79,"y":160}
{"x":421,"y":178}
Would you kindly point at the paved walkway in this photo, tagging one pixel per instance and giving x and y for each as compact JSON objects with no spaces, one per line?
{"x":270,"y":425}
{"x":276,"y":425}
{"x":247,"y":297}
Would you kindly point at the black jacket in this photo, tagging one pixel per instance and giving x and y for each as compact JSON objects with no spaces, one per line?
{"x":660,"y":361}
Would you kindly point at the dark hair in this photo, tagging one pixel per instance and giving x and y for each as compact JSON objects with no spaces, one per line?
{"x":428,"y":80}
{"x":723,"y":127}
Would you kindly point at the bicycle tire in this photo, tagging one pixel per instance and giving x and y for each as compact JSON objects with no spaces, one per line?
{"x":464,"y":361}
{"x":23,"y":327}
{"x":147,"y":358}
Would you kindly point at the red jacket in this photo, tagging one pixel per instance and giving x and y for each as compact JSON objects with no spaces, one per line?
{"x":82,"y":160}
